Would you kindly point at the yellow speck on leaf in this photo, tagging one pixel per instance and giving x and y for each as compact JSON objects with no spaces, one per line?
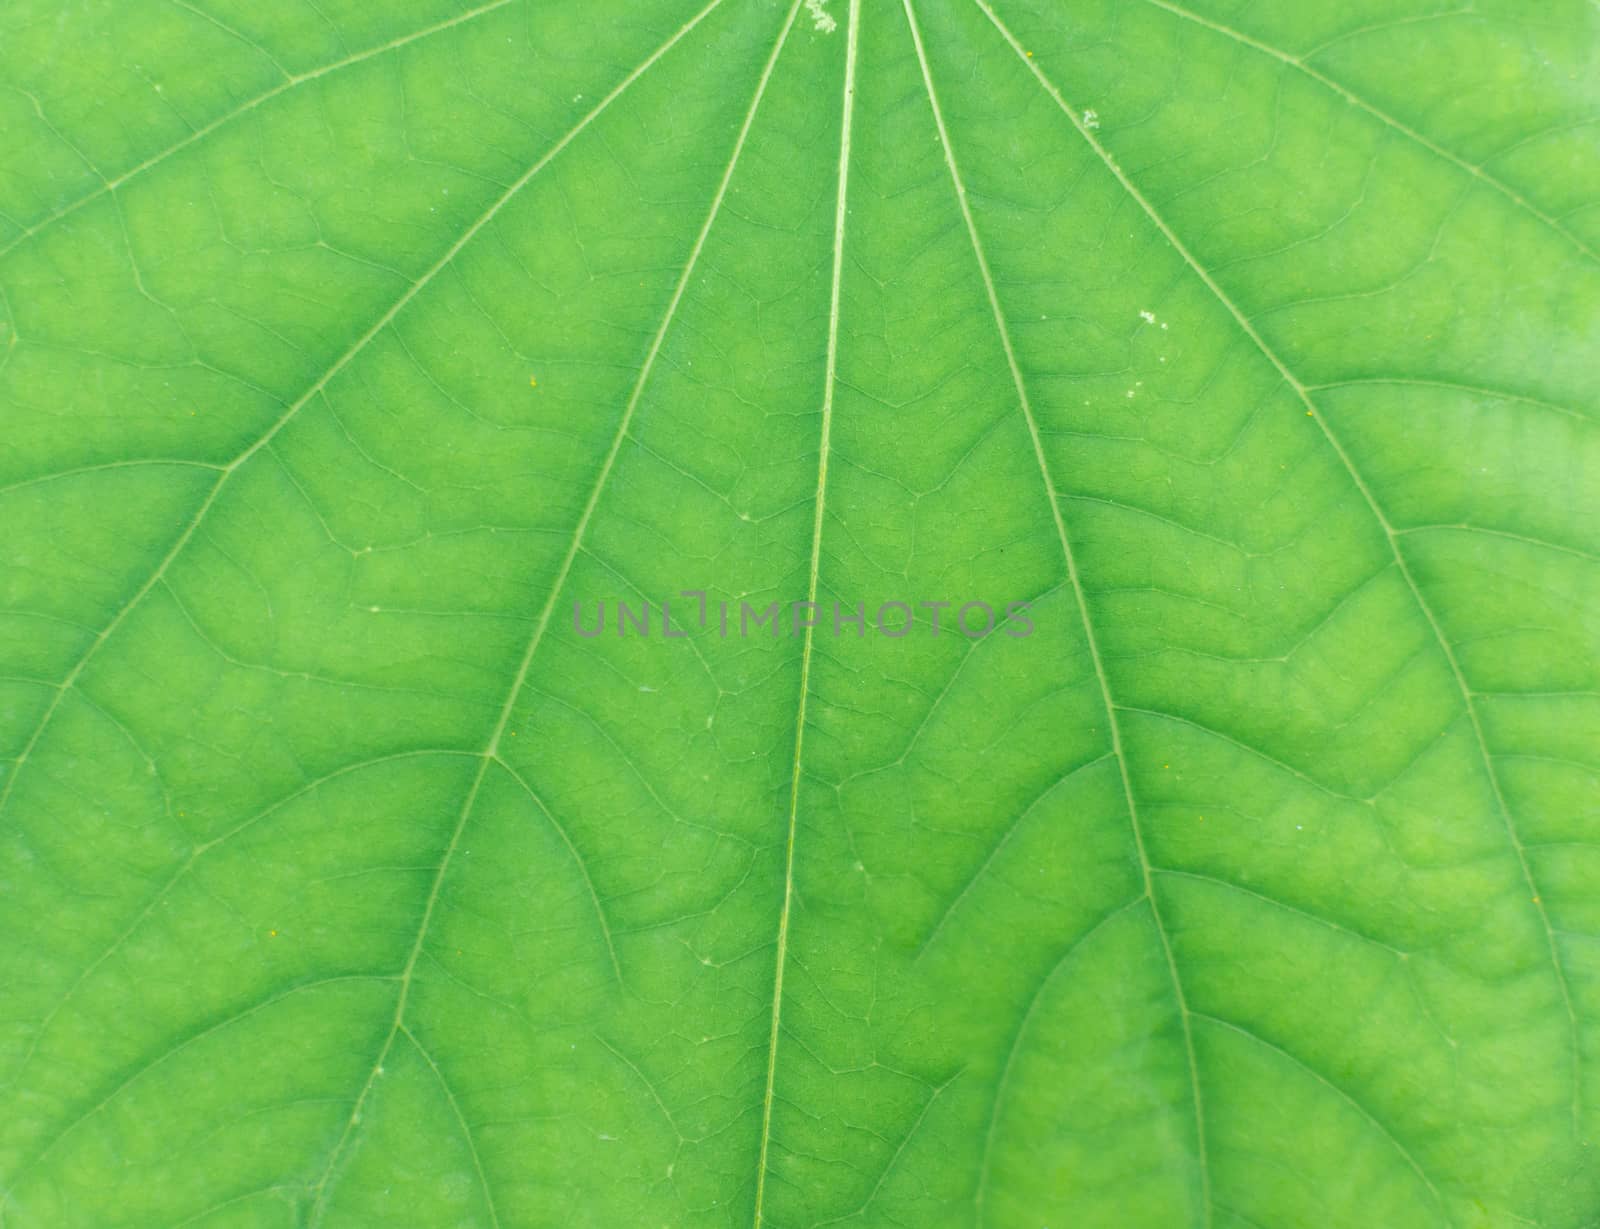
{"x":533,"y":382}
{"x":273,"y":933}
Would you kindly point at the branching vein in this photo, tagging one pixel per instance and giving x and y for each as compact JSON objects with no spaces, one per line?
{"x":1073,"y":575}
{"x":830,"y":373}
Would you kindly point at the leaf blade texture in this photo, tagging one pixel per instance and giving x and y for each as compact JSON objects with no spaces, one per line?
{"x":1243,"y":878}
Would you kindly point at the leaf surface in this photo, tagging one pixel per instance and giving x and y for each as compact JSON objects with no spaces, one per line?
{"x":1246,"y":878}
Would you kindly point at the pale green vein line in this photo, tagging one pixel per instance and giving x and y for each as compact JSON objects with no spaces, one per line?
{"x":38,"y":111}
{"x":1004,"y":1080}
{"x":999,"y":848}
{"x":1281,"y":765}
{"x":1349,"y":1100}
{"x":583,"y":868}
{"x":1112,"y":722}
{"x":1240,"y":889}
{"x":71,"y":677}
{"x":163,"y":892}
{"x":239,"y":36}
{"x":829,"y":378}
{"x":491,"y":748}
{"x":894,"y":1159}
{"x":402,"y":998}
{"x":649,"y":1087}
{"x":968,"y":655}
{"x":232,"y":467}
{"x":139,"y":463}
{"x":199,"y":134}
{"x":148,"y":1065}
{"x":1508,"y":535}
{"x":1355,"y":100}
{"x":461,"y":1120}
{"x":284,"y":1194}
{"x":1391,"y":535}
{"x":1381,"y":27}
{"x":1493,"y":394}
{"x":645,"y":370}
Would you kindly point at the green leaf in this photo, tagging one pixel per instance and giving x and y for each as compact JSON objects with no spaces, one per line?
{"x":1248,"y":878}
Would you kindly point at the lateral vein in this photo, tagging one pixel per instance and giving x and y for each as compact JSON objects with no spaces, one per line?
{"x":829,"y":379}
{"x":1391,"y":535}
{"x":1090,"y":637}
{"x":490,"y":752}
{"x":227,"y":471}
{"x":1355,"y":100}
{"x":289,"y":82}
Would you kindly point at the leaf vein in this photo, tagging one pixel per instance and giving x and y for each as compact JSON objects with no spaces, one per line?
{"x":1096,"y":657}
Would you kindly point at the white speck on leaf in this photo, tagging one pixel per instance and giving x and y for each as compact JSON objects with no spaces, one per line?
{"x":821,"y":19}
{"x":1091,"y":119}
